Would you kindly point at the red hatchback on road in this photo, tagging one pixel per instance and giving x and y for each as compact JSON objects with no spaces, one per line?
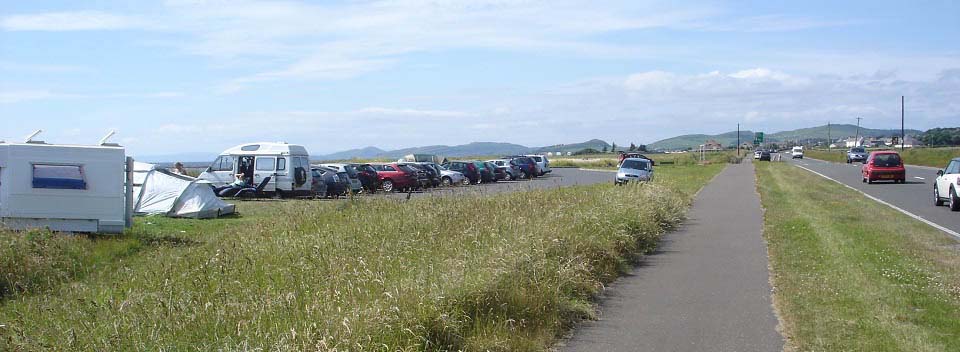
{"x":884,"y":166}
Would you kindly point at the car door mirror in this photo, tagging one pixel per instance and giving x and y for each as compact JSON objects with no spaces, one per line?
{"x":939,"y":173}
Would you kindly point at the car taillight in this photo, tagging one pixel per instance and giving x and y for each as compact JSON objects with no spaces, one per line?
{"x":471,"y":167}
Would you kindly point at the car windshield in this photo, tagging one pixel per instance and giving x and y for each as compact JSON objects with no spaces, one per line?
{"x":407,"y":168}
{"x":886,"y":160}
{"x":635,"y":164}
{"x":857,"y":150}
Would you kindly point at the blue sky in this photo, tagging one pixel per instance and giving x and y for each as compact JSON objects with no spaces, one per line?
{"x":200,"y":76}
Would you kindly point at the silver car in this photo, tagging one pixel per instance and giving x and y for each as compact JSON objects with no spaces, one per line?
{"x":634,"y":170}
{"x":449,"y":177}
{"x":512,"y":169}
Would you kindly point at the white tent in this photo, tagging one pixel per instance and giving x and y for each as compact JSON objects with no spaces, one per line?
{"x":158,"y":191}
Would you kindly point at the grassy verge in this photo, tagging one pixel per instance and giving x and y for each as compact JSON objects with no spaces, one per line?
{"x":851,"y":274}
{"x":505,"y":272}
{"x":609,"y":161}
{"x":934,"y":157}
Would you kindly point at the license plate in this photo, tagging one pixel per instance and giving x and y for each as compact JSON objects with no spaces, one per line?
{"x":886,"y":176}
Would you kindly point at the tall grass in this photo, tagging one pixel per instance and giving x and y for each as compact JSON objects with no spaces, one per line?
{"x":505,"y":272}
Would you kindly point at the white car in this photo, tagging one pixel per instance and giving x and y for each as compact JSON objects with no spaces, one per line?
{"x":946,"y":188}
{"x":756,"y":154}
{"x":797,"y":152}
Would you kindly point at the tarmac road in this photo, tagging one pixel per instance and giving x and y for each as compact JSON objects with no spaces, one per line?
{"x":705,"y":288}
{"x":915,"y":196}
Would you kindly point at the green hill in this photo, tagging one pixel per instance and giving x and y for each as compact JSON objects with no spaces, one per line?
{"x":575,"y":147}
{"x":835,"y":132}
{"x":694,"y":140}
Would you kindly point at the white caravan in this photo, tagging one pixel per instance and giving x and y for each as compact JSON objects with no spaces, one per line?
{"x":287,"y":165}
{"x":73,"y":188}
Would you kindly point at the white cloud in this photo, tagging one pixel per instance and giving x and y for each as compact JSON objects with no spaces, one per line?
{"x":18,"y":96}
{"x":69,"y":21}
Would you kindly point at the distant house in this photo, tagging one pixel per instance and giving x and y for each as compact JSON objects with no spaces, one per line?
{"x":853,"y":142}
{"x":746,"y":145}
{"x":712,"y":145}
{"x":909,"y":142}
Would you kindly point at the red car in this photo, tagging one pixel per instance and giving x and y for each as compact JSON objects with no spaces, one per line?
{"x":884,"y":166}
{"x":396,"y":177}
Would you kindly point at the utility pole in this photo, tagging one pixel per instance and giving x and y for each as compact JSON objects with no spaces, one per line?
{"x":738,"y":140}
{"x":902,"y":135}
{"x":829,"y":139}
{"x":856,"y":140}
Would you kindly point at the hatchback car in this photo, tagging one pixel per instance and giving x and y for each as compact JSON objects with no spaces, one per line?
{"x":355,"y":184}
{"x":634,"y":170}
{"x":883,"y":165}
{"x":467,"y":168}
{"x":395,"y":177}
{"x":449,"y":177}
{"x":856,"y":154}
{"x":368,"y":177}
{"x":946,"y":188}
{"x":509,"y":166}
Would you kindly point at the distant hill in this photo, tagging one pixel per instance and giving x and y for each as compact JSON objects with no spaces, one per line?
{"x":695,"y":140}
{"x":836,"y":132}
{"x":819,"y":132}
{"x":575,"y":147}
{"x":362,"y":153}
{"x":470,"y":149}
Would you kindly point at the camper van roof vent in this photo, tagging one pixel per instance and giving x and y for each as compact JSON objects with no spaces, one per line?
{"x":36,"y":142}
{"x":250,"y":147}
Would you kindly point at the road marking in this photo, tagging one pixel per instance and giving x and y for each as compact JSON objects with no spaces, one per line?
{"x":919,"y":178}
{"x":878,"y":200}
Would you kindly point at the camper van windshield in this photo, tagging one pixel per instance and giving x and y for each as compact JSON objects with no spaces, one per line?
{"x":223,"y":163}
{"x":58,"y":176}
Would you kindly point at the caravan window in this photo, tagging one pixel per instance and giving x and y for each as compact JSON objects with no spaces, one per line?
{"x":265,"y":163}
{"x":281,"y":164}
{"x":223,"y":163}
{"x":58,"y":176}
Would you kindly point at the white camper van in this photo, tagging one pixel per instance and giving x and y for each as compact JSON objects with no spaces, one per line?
{"x":287,"y":165}
{"x":74,"y":188}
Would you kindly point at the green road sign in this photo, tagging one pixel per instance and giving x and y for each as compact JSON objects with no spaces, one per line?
{"x":759,"y":136}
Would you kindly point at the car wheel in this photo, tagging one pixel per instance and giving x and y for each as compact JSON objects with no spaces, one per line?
{"x":523,"y":175}
{"x":387,"y":186}
{"x":937,"y":201}
{"x":446,"y":182}
{"x":954,"y":200}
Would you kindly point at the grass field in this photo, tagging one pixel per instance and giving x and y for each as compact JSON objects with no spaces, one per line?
{"x":934,"y":157}
{"x":609,"y":161}
{"x":853,"y":275}
{"x":505,"y":272}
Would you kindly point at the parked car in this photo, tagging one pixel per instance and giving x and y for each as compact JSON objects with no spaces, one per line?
{"x":394,"y":177}
{"x":355,"y":184}
{"x":756,"y":154}
{"x":499,"y":172}
{"x":511,"y":168}
{"x":368,"y":177}
{"x":764,"y":155}
{"x":624,"y":155}
{"x":468,"y":169}
{"x":634,"y":170}
{"x":542,"y":162}
{"x":317,"y":184}
{"x":336,"y":186}
{"x":796,"y":152}
{"x":946,"y":188}
{"x":423,"y":175}
{"x":449,"y":177}
{"x":884,"y":165}
{"x":856,"y":154}
{"x":487,"y":174}
{"x":432,"y":170}
{"x":528,"y":166}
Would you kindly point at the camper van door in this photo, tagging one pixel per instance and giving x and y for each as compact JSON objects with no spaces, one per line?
{"x":266,"y":166}
{"x":221,"y":171}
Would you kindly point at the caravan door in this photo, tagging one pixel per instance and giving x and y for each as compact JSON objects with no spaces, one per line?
{"x":221,"y":171}
{"x":266,"y":166}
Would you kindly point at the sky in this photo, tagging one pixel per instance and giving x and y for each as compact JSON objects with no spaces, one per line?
{"x":185,"y":76}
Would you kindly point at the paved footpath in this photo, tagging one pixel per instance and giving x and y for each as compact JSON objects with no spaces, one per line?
{"x":706,"y":287}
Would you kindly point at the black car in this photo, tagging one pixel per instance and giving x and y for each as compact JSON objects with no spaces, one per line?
{"x":468,"y":169}
{"x":765,"y":155}
{"x":432,"y":175}
{"x":499,"y":172}
{"x":368,"y":177}
{"x":336,"y":186}
{"x":423,"y":179}
{"x":436,"y":177}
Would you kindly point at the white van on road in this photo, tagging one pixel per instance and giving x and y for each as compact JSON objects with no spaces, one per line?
{"x":797,"y":152}
{"x":287,"y":165}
